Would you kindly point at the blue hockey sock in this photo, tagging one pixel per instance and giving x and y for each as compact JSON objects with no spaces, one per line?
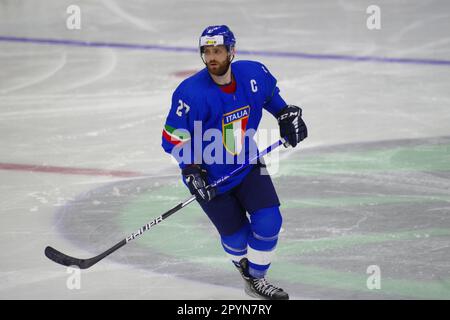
{"x":235,"y":245}
{"x":265,"y":226}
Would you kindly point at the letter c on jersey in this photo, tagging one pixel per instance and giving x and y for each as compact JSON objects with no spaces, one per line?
{"x":253,"y":85}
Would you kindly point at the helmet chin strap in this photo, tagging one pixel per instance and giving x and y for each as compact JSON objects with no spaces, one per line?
{"x":231,"y":53}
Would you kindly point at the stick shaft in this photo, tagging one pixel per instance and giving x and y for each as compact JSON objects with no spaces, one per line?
{"x":66,"y":260}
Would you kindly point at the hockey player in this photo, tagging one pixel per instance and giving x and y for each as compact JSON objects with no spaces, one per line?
{"x":229,"y":97}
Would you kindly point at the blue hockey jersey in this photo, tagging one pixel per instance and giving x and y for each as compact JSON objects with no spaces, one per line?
{"x":215,"y":129}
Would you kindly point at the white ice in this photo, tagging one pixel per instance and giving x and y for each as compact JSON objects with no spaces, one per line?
{"x":86,"y":107}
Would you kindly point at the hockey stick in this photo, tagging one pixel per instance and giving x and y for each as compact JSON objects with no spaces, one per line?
{"x":66,"y":260}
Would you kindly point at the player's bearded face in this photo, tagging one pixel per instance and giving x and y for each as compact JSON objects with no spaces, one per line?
{"x":217,"y":60}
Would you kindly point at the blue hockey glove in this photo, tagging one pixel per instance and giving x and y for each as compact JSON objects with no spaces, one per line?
{"x":292,"y":126}
{"x":196,"y":181}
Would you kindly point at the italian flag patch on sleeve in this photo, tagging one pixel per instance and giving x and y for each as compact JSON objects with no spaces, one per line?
{"x":175,"y":136}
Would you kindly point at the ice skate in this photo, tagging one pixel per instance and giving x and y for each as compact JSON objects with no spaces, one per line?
{"x":259,"y":288}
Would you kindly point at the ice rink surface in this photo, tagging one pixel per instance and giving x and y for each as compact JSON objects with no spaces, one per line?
{"x":81,"y":166}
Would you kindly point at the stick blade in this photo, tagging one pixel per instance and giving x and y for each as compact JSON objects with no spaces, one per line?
{"x":64,"y":259}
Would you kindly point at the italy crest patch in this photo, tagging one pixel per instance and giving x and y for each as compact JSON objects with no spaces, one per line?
{"x":234,"y":124}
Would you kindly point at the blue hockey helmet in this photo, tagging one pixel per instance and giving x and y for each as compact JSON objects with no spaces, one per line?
{"x":216,"y":36}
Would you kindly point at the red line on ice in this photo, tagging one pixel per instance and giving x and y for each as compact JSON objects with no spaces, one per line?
{"x":67,"y":170}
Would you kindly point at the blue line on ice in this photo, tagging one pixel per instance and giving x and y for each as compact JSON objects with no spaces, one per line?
{"x":294,"y":55}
